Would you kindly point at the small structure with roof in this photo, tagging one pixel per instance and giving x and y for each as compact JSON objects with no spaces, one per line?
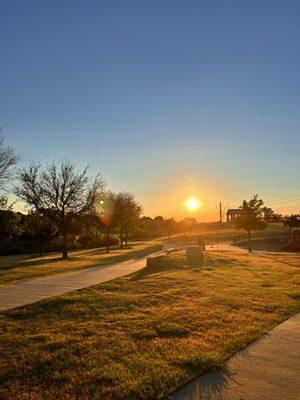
{"x":233,"y":213}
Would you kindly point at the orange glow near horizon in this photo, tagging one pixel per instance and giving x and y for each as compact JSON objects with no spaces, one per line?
{"x":193,"y":204}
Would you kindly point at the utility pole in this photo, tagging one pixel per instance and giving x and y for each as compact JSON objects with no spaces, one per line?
{"x":220,"y":211}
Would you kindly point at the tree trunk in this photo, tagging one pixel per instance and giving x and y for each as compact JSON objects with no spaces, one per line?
{"x":249,"y":242}
{"x":107,"y":240}
{"x":64,"y":236}
{"x":126,"y":237}
{"x":40,"y":247}
{"x":65,"y":245}
{"x":65,"y":239}
{"x":121,"y":237}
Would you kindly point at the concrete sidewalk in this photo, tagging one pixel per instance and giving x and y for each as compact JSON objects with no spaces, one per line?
{"x":268,"y":369}
{"x":28,"y":292}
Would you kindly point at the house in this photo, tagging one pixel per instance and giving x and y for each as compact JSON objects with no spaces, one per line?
{"x":232,"y":214}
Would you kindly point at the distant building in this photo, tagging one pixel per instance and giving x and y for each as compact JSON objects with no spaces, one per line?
{"x":232,"y":214}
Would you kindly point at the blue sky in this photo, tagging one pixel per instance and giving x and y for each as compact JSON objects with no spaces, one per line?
{"x":165,"y":98}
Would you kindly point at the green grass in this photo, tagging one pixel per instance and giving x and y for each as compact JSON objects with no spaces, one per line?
{"x":14,"y":269}
{"x":143,"y":335}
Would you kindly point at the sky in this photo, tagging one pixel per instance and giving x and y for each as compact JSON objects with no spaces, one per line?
{"x":168,"y":99}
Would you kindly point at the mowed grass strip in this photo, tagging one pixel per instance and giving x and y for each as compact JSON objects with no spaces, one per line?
{"x":14,"y":269}
{"x":143,"y":335}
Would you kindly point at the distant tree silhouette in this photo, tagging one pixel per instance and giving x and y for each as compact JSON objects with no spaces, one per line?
{"x":170,"y":225}
{"x":10,"y":225}
{"x":8,"y":159}
{"x":40,"y":228}
{"x":269,"y":214}
{"x":292,"y":221}
{"x":60,"y":189}
{"x":277,"y":217}
{"x":30,"y":188}
{"x":251,"y":217}
{"x":127,"y":213}
{"x":105,"y":209}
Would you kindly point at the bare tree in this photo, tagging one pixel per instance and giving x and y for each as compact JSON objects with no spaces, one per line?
{"x":128,"y":212}
{"x":60,"y":189}
{"x":30,"y":188}
{"x":105,"y":209}
{"x":8,"y":159}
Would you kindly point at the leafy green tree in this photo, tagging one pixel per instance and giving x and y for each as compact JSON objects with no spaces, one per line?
{"x":251,"y":217}
{"x":292,"y":221}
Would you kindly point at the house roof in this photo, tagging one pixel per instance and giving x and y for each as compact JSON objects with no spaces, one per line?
{"x":233,"y":211}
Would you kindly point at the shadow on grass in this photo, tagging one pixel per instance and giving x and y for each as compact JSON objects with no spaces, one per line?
{"x":168,"y":265}
{"x":180,"y":263}
{"x":30,"y":262}
{"x":208,"y":386}
{"x":278,"y":259}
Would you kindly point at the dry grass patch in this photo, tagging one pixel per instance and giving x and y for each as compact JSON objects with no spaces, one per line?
{"x":141,"y":336}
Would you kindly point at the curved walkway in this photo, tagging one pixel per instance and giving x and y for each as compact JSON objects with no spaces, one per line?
{"x":268,"y":369}
{"x":28,"y":292}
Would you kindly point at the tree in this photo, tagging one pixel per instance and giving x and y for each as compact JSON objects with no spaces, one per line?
{"x":269,"y":214}
{"x":10,"y":225}
{"x":30,"y":188}
{"x":40,"y":227}
{"x":251,"y":217}
{"x":105,"y":209}
{"x":8,"y":159}
{"x":277,"y":217}
{"x":292,"y":221}
{"x":61,"y":190}
{"x":170,"y":225}
{"x":127,"y":213}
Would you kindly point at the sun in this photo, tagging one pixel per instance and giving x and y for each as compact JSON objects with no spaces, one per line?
{"x":192,"y":203}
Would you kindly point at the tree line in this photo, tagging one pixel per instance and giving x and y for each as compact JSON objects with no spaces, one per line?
{"x":67,"y":208}
{"x":255,"y":216}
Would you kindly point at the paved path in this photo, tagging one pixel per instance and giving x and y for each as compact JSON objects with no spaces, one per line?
{"x":28,"y":292}
{"x":269,"y":369}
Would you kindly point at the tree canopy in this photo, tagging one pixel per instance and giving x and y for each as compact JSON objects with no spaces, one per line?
{"x":251,"y":217}
{"x":62,"y":189}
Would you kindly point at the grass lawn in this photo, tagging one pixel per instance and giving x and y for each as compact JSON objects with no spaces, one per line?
{"x":142,"y":336}
{"x":17,"y":268}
